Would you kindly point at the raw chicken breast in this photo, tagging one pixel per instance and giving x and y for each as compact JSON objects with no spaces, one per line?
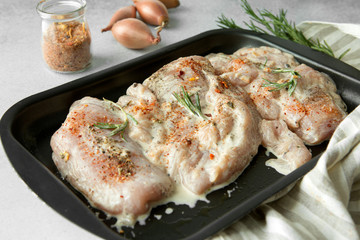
{"x":196,"y":123}
{"x":124,"y":173}
{"x":197,"y":152}
{"x":273,"y":57}
{"x":323,"y":108}
{"x":312,"y":111}
{"x":111,"y":173}
{"x":289,"y":149}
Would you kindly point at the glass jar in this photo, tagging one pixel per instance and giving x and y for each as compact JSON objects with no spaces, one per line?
{"x":66,"y":36}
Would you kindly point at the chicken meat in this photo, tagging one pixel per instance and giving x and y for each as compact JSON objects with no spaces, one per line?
{"x":111,"y":173}
{"x":312,"y":109}
{"x":196,"y":123}
{"x":198,"y":152}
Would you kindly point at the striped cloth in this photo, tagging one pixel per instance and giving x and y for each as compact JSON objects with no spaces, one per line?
{"x":325,"y":203}
{"x":340,"y":36}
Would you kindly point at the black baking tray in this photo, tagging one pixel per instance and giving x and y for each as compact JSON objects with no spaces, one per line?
{"x":27,"y":126}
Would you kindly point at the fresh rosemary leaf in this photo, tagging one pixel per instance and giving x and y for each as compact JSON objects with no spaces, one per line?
{"x":285,"y":70}
{"x":197,"y":98}
{"x":118,"y":128}
{"x":132,"y":118}
{"x":290,"y":84}
{"x":268,"y":23}
{"x":115,"y":105}
{"x":106,"y":125}
{"x":344,"y":53}
{"x":225,"y":22}
{"x":185,"y":100}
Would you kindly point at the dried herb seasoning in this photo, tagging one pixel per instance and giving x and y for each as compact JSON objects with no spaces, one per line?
{"x":66,"y":46}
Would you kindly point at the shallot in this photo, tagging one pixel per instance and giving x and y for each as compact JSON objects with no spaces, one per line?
{"x":152,"y":12}
{"x":133,"y":33}
{"x":122,"y":13}
{"x":171,"y":3}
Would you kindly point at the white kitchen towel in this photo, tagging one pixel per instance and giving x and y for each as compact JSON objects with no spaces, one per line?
{"x":340,"y":36}
{"x":325,"y":203}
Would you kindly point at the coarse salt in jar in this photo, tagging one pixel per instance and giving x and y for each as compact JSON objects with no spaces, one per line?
{"x":66,"y":36}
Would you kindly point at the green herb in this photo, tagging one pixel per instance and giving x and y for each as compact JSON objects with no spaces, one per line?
{"x":290,"y":84}
{"x":118,"y":128}
{"x":277,"y":25}
{"x":115,"y":107}
{"x":185,"y":100}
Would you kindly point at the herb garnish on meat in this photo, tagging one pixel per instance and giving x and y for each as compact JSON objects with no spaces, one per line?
{"x":185,"y":100}
{"x":118,"y":128}
{"x":277,"y":25}
{"x":289,"y":84}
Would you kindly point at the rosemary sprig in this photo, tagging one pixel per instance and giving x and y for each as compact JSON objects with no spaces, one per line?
{"x":114,"y":106}
{"x":118,"y":128}
{"x":277,"y":25}
{"x":290,"y":84}
{"x":185,"y":100}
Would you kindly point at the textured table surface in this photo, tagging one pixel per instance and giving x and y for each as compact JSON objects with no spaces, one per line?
{"x":23,"y":214}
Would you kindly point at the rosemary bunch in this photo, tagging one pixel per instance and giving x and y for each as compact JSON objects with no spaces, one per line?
{"x":277,"y":25}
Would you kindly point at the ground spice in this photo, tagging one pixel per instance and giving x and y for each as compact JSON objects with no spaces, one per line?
{"x":66,"y":46}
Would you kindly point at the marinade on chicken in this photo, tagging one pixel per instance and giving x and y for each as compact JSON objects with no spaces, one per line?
{"x":197,"y":152}
{"x":312,"y":110}
{"x":196,"y":123}
{"x":111,"y":173}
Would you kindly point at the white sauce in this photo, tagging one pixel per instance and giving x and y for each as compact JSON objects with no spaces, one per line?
{"x":279,"y":165}
{"x":183,"y":196}
{"x":267,"y":152}
{"x":230,"y":191}
{"x":157,"y":216}
{"x":169,"y":210}
{"x":180,"y":196}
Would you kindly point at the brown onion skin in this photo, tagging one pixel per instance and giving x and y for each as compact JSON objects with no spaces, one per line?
{"x":152,"y":12}
{"x":171,"y":3}
{"x":134,"y":34}
{"x":122,"y":13}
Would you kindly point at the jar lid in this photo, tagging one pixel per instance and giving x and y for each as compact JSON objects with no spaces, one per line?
{"x":59,"y":10}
